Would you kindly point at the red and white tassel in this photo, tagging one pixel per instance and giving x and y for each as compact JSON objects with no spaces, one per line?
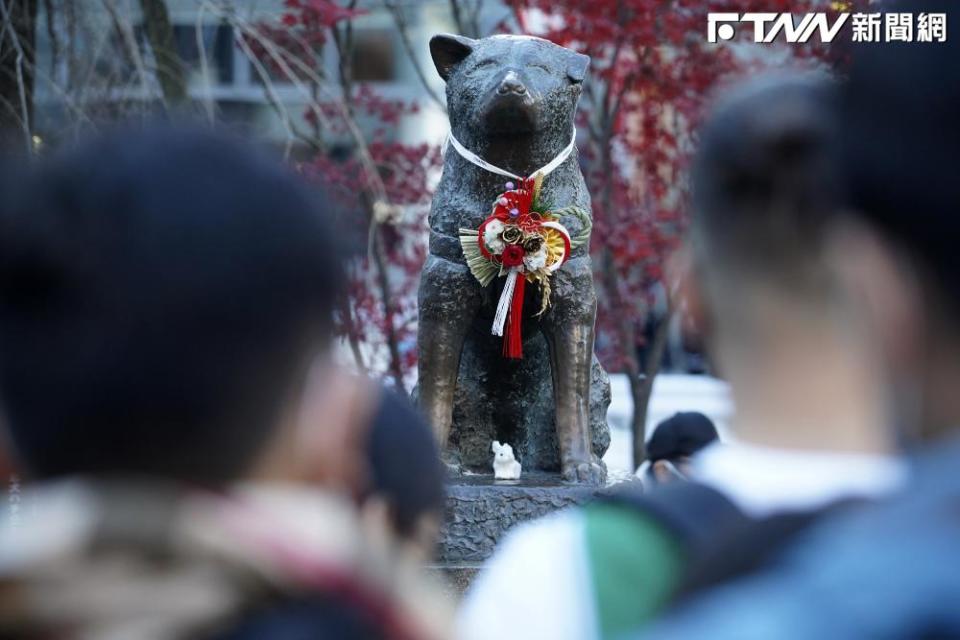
{"x":513,"y":340}
{"x":510,"y":306}
{"x":506,"y":297}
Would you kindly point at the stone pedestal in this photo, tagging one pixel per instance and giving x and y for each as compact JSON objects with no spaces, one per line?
{"x":480,"y":510}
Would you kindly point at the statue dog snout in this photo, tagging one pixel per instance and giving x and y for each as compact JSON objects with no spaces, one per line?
{"x":511,"y":105}
{"x":512,"y":83}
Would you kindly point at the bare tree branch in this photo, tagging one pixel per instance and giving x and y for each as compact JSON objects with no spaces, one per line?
{"x":70,"y":16}
{"x":19,"y":19}
{"x":204,"y":67}
{"x":403,"y":29}
{"x":272,"y":97}
{"x":128,"y":37}
{"x":458,"y":17}
{"x":13,"y":112}
{"x":52,"y":35}
{"x":170,"y":73}
{"x":475,"y":18}
{"x":286,"y":61}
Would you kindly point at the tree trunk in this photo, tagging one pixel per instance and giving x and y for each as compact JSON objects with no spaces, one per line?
{"x":642,"y":388}
{"x":159,"y":31}
{"x":18,"y":20}
{"x":383,"y":281}
{"x":350,"y":330}
{"x":466,"y":17}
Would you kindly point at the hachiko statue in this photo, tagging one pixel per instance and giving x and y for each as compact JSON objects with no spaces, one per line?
{"x":509,"y":231}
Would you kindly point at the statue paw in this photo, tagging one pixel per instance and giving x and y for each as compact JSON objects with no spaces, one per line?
{"x":584,"y":472}
{"x":451,"y":464}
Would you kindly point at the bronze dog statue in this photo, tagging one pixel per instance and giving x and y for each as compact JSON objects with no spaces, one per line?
{"x":511,"y":102}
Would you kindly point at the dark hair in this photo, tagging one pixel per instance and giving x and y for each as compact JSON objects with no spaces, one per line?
{"x":764,"y":180}
{"x":901,"y":140}
{"x":681,"y":436}
{"x":405,"y":462}
{"x":160,"y":291}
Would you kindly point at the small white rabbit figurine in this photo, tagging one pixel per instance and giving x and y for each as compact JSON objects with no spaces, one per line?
{"x":505,"y":466}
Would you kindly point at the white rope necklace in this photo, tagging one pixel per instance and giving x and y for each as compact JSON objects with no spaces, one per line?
{"x":507,"y":305}
{"x":473,"y":158}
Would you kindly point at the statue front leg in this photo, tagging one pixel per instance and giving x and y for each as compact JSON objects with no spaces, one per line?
{"x":449,"y":299}
{"x":569,"y":329}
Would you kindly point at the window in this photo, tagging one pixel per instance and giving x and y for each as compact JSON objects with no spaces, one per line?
{"x":373,"y":56}
{"x":217,"y":43}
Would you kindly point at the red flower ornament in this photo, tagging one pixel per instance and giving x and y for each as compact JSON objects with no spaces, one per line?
{"x":512,"y":255}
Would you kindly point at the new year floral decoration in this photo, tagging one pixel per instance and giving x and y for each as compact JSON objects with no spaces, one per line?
{"x":523,"y":241}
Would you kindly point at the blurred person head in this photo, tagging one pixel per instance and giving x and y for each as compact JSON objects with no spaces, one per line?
{"x":765,"y":191}
{"x":406,"y":476}
{"x":366,"y":441}
{"x":674,"y":441}
{"x":897,"y":252}
{"x":163,"y":293}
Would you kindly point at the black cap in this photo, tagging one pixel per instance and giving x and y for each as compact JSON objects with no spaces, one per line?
{"x":681,"y":435}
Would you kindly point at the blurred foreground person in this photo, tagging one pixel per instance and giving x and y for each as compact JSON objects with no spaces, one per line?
{"x":374,"y":445}
{"x":406,"y":476}
{"x":811,"y":423}
{"x":889,"y":571}
{"x":165,"y":303}
{"x":672,"y":446}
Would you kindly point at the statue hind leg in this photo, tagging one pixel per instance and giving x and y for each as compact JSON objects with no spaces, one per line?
{"x":569,"y":328}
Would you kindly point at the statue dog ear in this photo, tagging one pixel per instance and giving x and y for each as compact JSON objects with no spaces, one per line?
{"x":448,"y":51}
{"x":577,"y":64}
{"x":496,"y":446}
